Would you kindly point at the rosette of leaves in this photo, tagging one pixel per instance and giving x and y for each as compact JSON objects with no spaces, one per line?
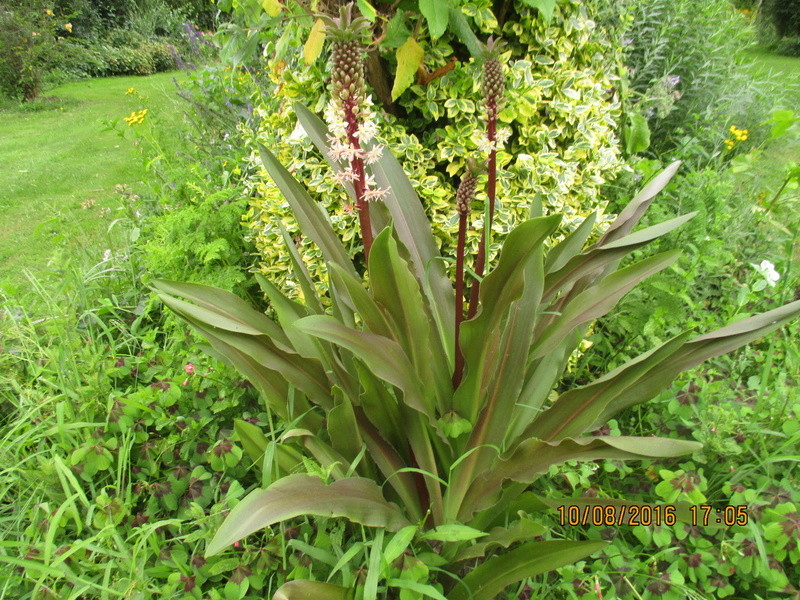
{"x":367,"y":386}
{"x":425,"y":78}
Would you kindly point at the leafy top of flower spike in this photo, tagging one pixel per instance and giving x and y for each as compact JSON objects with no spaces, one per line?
{"x":346,"y":28}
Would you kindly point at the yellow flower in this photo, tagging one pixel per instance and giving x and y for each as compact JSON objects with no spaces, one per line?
{"x":130,"y":91}
{"x":48,"y":12}
{"x":729,"y":144}
{"x":136,"y":118}
{"x":68,"y":27}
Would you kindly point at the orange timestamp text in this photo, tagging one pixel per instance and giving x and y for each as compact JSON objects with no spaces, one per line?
{"x":606,"y":515}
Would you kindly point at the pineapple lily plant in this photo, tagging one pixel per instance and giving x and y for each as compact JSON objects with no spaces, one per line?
{"x":430,"y":418}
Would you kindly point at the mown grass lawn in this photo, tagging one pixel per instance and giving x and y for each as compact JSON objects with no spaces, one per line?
{"x":787,"y":68}
{"x":60,"y":168}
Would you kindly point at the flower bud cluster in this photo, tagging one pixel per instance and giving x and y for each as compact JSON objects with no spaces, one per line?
{"x":466,"y":192}
{"x":493,"y":79}
{"x":348,"y":88}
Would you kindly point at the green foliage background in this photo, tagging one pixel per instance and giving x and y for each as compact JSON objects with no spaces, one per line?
{"x":562,"y":108}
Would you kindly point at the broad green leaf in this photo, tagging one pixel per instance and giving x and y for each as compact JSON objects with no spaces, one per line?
{"x":272,"y":7}
{"x":343,"y":427}
{"x":505,"y":378}
{"x":390,"y":463}
{"x":334,"y":463}
{"x":311,"y":590}
{"x":305,"y":374}
{"x":252,"y":438}
{"x":316,"y":39}
{"x":489,"y":579}
{"x":415,"y":586}
{"x":366,"y":10}
{"x":453,"y":533}
{"x":597,"y":300}
{"x":577,"y":410}
{"x":533,"y":457}
{"x":355,"y":498}
{"x":413,"y":229}
{"x":409,"y":59}
{"x":437,"y":14}
{"x":312,"y":220}
{"x":702,"y":348}
{"x":269,"y":383}
{"x":396,"y":31}
{"x":546,"y":8}
{"x":398,"y":544}
{"x":359,"y":301}
{"x":637,"y":134}
{"x":500,"y":537}
{"x":289,"y":311}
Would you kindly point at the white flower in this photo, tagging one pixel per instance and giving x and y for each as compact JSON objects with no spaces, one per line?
{"x":767,"y":270}
{"x":374,"y":194}
{"x":371,"y":156}
{"x":106,"y":255}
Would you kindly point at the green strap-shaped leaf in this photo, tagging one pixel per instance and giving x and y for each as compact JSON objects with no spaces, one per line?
{"x":389,"y":462}
{"x":575,"y":411}
{"x":305,"y":374}
{"x":702,"y":348}
{"x":359,"y":301}
{"x":489,"y":579}
{"x":533,"y":457}
{"x":597,"y":300}
{"x":506,"y":376}
{"x":640,"y":379}
{"x":252,"y":438}
{"x":570,"y":246}
{"x":500,"y":537}
{"x":593,"y":261}
{"x":481,"y":335}
{"x":413,"y":229}
{"x":300,"y":589}
{"x":301,"y":274}
{"x":354,"y":498}
{"x":632,"y":213}
{"x":395,"y":288}
{"x":312,"y":219}
{"x":324,"y":454}
{"x":222,"y":309}
{"x":383,"y":356}
{"x":343,"y":427}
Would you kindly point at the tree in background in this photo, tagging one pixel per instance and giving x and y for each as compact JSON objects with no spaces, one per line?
{"x":27,"y":32}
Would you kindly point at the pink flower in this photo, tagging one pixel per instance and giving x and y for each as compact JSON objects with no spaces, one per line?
{"x":185,"y":382}
{"x":189,"y":368}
